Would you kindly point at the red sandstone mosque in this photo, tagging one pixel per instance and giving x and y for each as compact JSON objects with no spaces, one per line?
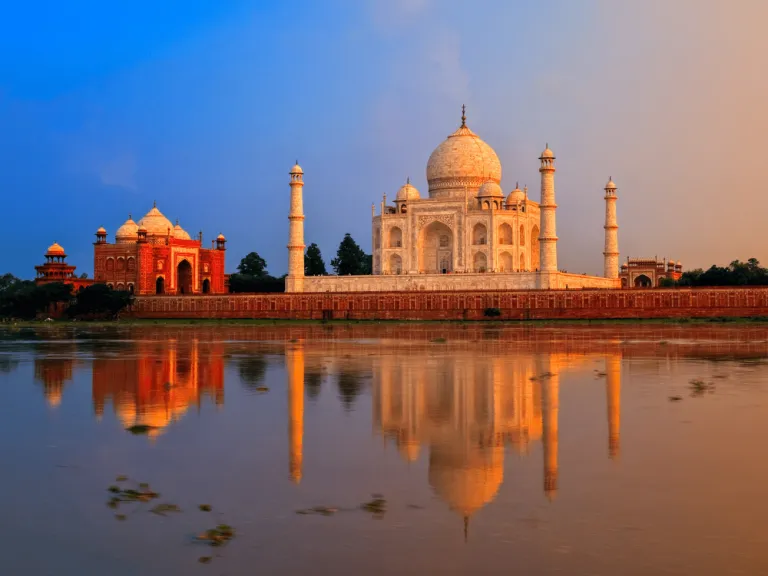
{"x":155,"y":257}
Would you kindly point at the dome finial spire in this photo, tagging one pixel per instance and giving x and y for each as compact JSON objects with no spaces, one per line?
{"x":408,"y":180}
{"x":463,"y":116}
{"x":154,"y":203}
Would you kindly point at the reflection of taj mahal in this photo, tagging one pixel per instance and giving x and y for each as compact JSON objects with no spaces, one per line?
{"x":467,"y":234}
{"x":466,"y":411}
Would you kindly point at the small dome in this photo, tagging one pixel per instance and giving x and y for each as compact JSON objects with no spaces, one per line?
{"x":547,"y":153}
{"x":407,"y":192}
{"x":127,"y":232}
{"x":55,"y":250}
{"x":490,"y":189}
{"x":180,"y":233}
{"x":101,"y":230}
{"x":296,"y":169}
{"x":516,"y":195}
{"x":221,"y":238}
{"x":610,"y":185}
{"x":142,"y":229}
{"x":156,"y":223}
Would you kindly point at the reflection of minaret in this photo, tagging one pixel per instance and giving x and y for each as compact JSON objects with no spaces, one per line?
{"x":550,"y":397}
{"x":294,"y":367}
{"x":613,"y":390}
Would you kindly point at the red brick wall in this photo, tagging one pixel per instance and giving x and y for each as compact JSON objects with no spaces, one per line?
{"x":518,"y":305}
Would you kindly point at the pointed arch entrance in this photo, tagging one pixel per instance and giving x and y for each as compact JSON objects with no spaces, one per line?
{"x":184,"y":277}
{"x":160,"y":285}
{"x":436,"y":249}
{"x":206,"y":286}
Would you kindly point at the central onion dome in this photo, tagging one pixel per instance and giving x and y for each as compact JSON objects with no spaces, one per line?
{"x":407,"y":192}
{"x":156,"y":223}
{"x":463,"y":160}
{"x":127,"y":232}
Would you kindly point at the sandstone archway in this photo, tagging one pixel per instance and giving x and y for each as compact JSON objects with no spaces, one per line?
{"x":436,"y":249}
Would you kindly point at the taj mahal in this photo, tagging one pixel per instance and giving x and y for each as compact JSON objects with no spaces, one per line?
{"x":465,"y":235}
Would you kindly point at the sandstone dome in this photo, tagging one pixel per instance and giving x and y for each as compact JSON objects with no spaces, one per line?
{"x":55,"y":250}
{"x":610,"y":185}
{"x":407,"y":192}
{"x":490,"y":189}
{"x":516,"y":196}
{"x":462,"y":160}
{"x":127,"y":232}
{"x":155,"y":223}
{"x":179,"y":232}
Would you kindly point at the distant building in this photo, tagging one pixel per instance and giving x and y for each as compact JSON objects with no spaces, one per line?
{"x":56,"y":269}
{"x":155,"y":257}
{"x":648,"y":272}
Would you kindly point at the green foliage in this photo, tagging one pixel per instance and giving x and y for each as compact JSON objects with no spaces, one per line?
{"x":99,"y":300}
{"x":24,"y":299}
{"x":84,"y":276}
{"x":350,"y":258}
{"x":7,"y":281}
{"x":667,"y":283}
{"x":240,"y":283}
{"x":253,"y":265}
{"x":252,"y":277}
{"x":313,"y":262}
{"x":737,"y":273}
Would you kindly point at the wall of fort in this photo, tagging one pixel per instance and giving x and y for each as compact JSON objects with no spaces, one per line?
{"x":459,"y":282}
{"x":470,"y":305}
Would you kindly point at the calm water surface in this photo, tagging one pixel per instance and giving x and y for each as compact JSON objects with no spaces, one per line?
{"x":527,"y":450}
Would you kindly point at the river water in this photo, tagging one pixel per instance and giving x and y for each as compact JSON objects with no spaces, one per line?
{"x":385,"y":449}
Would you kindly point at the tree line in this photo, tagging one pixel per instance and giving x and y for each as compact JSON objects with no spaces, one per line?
{"x":252,"y":274}
{"x":25,"y":300}
{"x":737,"y":273}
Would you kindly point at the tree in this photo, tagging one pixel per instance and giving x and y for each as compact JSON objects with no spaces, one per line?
{"x":99,"y":300}
{"x":350,"y":258}
{"x":313,"y":262}
{"x":253,"y":265}
{"x":84,"y":276}
{"x":7,"y":280}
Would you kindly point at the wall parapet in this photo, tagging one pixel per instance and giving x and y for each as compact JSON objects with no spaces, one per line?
{"x":588,"y":304}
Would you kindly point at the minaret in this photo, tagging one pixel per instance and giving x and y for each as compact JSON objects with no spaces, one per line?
{"x":294,"y":368}
{"x":613,"y":391}
{"x":611,"y":253}
{"x":295,"y":280}
{"x":551,"y":405}
{"x":548,"y":234}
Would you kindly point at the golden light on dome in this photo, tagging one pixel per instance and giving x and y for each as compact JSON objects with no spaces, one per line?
{"x":156,"y":223}
{"x":55,"y":250}
{"x":462,"y":161}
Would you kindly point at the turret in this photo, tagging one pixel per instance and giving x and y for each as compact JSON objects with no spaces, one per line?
{"x":101,"y":236}
{"x":548,"y":233}
{"x":611,"y":252}
{"x":295,"y":280}
{"x":221,"y":242}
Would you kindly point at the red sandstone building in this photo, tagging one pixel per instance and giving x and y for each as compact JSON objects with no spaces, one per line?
{"x":648,"y":272}
{"x":56,"y":269}
{"x":155,"y":257}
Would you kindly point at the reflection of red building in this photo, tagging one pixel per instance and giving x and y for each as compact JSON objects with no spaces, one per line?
{"x":155,"y":383}
{"x":648,"y":272}
{"x":155,"y":257}
{"x":53,"y":374}
{"x":56,"y":269}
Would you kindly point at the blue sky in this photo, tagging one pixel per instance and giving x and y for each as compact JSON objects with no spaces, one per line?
{"x":204,"y":107}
